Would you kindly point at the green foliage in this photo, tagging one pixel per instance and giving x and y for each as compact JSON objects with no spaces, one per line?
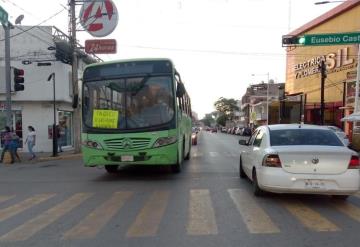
{"x":221,"y":120}
{"x":226,"y":107}
{"x":208,"y":120}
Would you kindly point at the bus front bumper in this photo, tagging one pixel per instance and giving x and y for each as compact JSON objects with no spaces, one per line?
{"x":166,"y":155}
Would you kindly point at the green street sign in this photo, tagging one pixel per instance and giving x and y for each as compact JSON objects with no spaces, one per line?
{"x":3,"y":16}
{"x":330,"y":39}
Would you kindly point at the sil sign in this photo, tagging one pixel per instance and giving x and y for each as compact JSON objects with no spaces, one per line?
{"x":99,"y":17}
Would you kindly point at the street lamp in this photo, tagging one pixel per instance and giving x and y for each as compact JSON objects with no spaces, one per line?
{"x":54,"y":134}
{"x":267,"y":95}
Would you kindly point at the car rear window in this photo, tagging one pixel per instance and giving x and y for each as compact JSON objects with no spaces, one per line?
{"x":304,"y":137}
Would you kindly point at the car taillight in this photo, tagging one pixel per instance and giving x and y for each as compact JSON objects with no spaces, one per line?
{"x":272,"y":160}
{"x":354,"y":162}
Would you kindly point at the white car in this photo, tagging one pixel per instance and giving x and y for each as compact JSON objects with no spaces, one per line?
{"x":341,"y":134}
{"x":293,"y":158}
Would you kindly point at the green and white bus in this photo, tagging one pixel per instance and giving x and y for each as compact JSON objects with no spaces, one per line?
{"x":135,"y":112}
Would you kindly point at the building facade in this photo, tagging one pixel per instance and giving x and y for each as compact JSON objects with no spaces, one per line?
{"x":303,"y":75}
{"x":41,"y":51}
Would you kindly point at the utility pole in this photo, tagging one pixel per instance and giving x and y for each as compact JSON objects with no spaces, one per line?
{"x":75,"y":75}
{"x":7,"y":74}
{"x":322,"y":89}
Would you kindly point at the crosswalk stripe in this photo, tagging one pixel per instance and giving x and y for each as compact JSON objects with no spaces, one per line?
{"x":214,"y":154}
{"x":9,"y":212}
{"x":348,"y":209}
{"x":96,"y":220}
{"x":6,"y":198}
{"x":148,"y":220}
{"x":308,"y":217}
{"x":202,"y":219}
{"x":255,"y":218}
{"x":31,"y":227}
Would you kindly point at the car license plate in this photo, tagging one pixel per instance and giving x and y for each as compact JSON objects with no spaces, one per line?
{"x":314,"y":184}
{"x":127,"y":158}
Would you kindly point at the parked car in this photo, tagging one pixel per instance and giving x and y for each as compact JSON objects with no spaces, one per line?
{"x":214,"y":130}
{"x":239,"y":131}
{"x":295,"y":158}
{"x":223,"y":130}
{"x":247,"y":131}
{"x":341,"y":134}
{"x":194,"y":136}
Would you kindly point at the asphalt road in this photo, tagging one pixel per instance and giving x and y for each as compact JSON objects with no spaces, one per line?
{"x":62,"y":203}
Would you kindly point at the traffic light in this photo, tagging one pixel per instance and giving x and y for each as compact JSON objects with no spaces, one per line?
{"x":292,"y":40}
{"x":18,"y":79}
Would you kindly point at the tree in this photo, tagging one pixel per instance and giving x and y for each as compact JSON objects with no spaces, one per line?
{"x":226,"y":107}
{"x":208,"y":120}
{"x":221,"y":120}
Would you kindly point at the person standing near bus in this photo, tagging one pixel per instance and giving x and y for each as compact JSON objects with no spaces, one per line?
{"x":31,"y":140}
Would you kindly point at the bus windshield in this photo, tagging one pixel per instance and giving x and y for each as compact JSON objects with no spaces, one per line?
{"x":128,"y":103}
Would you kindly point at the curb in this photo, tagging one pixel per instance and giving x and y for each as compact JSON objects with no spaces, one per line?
{"x":63,"y":157}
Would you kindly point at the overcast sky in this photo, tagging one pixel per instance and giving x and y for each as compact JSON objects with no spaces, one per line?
{"x":216,"y":45}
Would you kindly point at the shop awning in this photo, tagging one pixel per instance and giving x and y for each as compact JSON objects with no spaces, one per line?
{"x":352,"y":117}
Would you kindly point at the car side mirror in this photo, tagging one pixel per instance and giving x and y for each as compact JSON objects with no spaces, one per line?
{"x":243,"y":142}
{"x":180,"y":91}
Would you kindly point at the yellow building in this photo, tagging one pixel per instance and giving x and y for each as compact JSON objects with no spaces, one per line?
{"x":303,"y":74}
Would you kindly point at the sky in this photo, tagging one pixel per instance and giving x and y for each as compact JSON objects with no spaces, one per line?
{"x":219,"y":47}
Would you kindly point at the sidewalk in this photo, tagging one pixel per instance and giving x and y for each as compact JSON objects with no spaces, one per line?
{"x":47,"y":156}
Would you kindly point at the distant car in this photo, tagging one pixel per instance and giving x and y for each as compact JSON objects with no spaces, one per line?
{"x":293,"y":158}
{"x":223,"y":129}
{"x":214,"y":130}
{"x":341,"y":134}
{"x":238,"y":131}
{"x":194,"y":137}
{"x":246,"y":131}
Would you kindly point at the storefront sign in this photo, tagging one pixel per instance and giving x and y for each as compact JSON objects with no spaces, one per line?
{"x":99,"y":17}
{"x":335,"y":62}
{"x":105,"y":119}
{"x":100,"y":46}
{"x":331,"y":39}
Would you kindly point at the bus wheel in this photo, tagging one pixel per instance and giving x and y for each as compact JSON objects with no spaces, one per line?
{"x":111,"y":168}
{"x":189,"y":153}
{"x":177,"y":167}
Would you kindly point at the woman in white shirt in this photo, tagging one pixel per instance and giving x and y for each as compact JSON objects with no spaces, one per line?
{"x":30,"y":140}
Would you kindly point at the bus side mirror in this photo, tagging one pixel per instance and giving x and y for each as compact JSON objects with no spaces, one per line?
{"x":180,"y":91}
{"x":75,"y":102}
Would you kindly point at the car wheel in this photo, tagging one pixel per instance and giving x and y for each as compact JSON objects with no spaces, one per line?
{"x":340,"y":197}
{"x":241,"y":170}
{"x":256,"y":189}
{"x":111,"y":168}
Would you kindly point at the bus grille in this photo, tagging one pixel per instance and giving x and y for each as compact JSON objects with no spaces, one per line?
{"x":127,"y":143}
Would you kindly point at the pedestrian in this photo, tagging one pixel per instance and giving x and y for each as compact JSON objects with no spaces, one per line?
{"x":61,"y":135}
{"x":14,"y":145}
{"x":31,"y":140}
{"x":6,"y":146}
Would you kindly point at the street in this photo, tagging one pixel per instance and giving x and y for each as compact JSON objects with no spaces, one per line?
{"x":62,"y":203}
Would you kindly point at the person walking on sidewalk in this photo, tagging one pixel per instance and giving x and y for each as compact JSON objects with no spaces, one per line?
{"x":31,"y":140}
{"x":7,"y":147}
{"x":14,"y":145}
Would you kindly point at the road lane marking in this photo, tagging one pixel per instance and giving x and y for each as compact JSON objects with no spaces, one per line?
{"x":31,"y":227}
{"x":308,"y":217}
{"x":6,"y":198}
{"x":214,"y":154}
{"x":202,"y":219}
{"x":148,"y":220}
{"x":347,"y":208}
{"x":255,"y":218}
{"x":9,"y":212}
{"x":197,"y":154}
{"x":97,"y":219}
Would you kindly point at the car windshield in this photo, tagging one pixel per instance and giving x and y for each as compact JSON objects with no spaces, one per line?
{"x":128,"y":103}
{"x":321,"y":137}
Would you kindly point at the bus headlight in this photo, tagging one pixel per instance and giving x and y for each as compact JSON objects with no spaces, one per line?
{"x":92,"y":144}
{"x":163,"y":141}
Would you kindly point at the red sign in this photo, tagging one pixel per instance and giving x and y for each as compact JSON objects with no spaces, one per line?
{"x":100,"y":46}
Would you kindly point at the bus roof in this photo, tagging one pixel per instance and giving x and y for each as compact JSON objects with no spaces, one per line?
{"x":129,"y":60}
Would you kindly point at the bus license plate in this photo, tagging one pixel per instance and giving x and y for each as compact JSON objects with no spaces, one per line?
{"x":127,"y":158}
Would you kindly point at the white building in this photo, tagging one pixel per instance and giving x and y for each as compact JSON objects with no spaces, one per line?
{"x":40,"y":51}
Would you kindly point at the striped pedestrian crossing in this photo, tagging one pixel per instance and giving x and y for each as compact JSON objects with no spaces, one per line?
{"x":201,"y":218}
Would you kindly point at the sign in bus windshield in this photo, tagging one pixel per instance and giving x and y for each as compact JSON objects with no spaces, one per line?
{"x":127,"y":68}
